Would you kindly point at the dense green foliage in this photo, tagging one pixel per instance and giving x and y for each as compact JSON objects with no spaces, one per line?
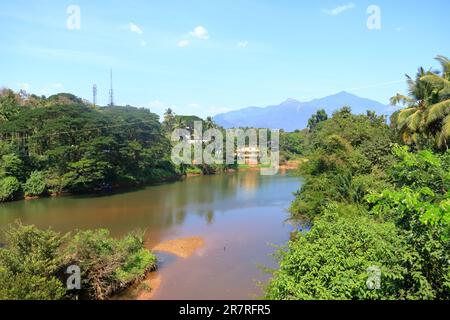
{"x":173,"y":121}
{"x":30,"y":263}
{"x":107,"y":264}
{"x":347,"y":155}
{"x":292,"y":144}
{"x":77,"y":147}
{"x":369,"y":202}
{"x":9,"y":188}
{"x":374,"y":197}
{"x":390,"y":211}
{"x":33,"y":263}
{"x":426,"y":119}
{"x":35,"y":185}
{"x":315,"y":119}
{"x":332,"y":261}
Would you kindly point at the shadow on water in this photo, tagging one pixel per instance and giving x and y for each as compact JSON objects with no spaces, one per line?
{"x":123,"y":190}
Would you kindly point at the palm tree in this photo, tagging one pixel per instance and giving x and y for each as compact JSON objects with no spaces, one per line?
{"x":438,"y":114}
{"x":411,"y":120}
{"x":169,"y":119}
{"x":209,"y":123}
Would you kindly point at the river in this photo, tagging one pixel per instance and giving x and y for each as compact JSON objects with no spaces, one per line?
{"x":238,"y":215}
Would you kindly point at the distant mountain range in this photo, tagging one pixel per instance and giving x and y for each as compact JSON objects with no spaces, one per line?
{"x":291,"y":114}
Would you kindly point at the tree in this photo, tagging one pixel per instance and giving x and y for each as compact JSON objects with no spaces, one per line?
{"x":79,"y":148}
{"x":169,"y":120}
{"x":35,"y":185}
{"x":333,"y":261}
{"x":85,"y":174}
{"x":209,"y":123}
{"x":108,"y":264}
{"x":9,"y":105}
{"x":410,"y":120}
{"x":438,"y":114}
{"x":292,"y":144}
{"x":33,"y":262}
{"x":421,"y":169}
{"x":29,"y":264}
{"x":9,"y":187}
{"x":424,"y":219}
{"x":315,"y":119}
{"x":11,"y":165}
{"x":427,"y":111}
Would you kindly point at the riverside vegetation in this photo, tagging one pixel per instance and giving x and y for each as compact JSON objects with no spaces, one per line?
{"x":63,"y":144}
{"x":34,"y":262}
{"x":374,"y":196}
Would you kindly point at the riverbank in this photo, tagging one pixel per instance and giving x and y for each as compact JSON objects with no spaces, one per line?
{"x":123,"y":187}
{"x":288,"y":165}
{"x":236,"y":214}
{"x":110,"y":190}
{"x":110,"y":265}
{"x":146,"y":288}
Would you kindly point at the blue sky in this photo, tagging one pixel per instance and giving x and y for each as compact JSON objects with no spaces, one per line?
{"x":206,"y":57}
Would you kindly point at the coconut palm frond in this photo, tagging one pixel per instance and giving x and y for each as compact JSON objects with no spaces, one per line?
{"x":404,"y":114}
{"x":401,"y":99}
{"x":445,"y":63}
{"x":442,"y":59}
{"x":446,"y":126}
{"x":437,"y":111}
{"x":414,"y":121}
{"x":436,"y":81}
{"x":444,"y":135}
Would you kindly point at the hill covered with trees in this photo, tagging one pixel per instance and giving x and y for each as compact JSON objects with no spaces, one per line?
{"x":63,"y":144}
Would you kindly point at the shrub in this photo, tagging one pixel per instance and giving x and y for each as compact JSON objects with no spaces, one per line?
{"x":107,"y":264}
{"x":422,"y":169}
{"x":29,"y":264}
{"x":32,"y":263}
{"x":332,"y":260}
{"x":9,"y":187}
{"x":11,"y":165}
{"x":425,"y":221}
{"x":35,"y":185}
{"x":194,"y":170}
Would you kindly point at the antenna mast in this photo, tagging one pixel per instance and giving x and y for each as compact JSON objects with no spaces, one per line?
{"x":111,"y":92}
{"x":94,"y":95}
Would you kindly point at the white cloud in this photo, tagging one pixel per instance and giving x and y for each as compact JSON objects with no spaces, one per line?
{"x":340,"y":9}
{"x":200,"y":33}
{"x":242,"y":44}
{"x":183,"y":43}
{"x":135,"y":28}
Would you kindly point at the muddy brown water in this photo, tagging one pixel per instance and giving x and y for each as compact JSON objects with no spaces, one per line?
{"x":239,"y":216}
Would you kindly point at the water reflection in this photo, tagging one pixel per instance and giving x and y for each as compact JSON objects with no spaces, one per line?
{"x":241,"y":212}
